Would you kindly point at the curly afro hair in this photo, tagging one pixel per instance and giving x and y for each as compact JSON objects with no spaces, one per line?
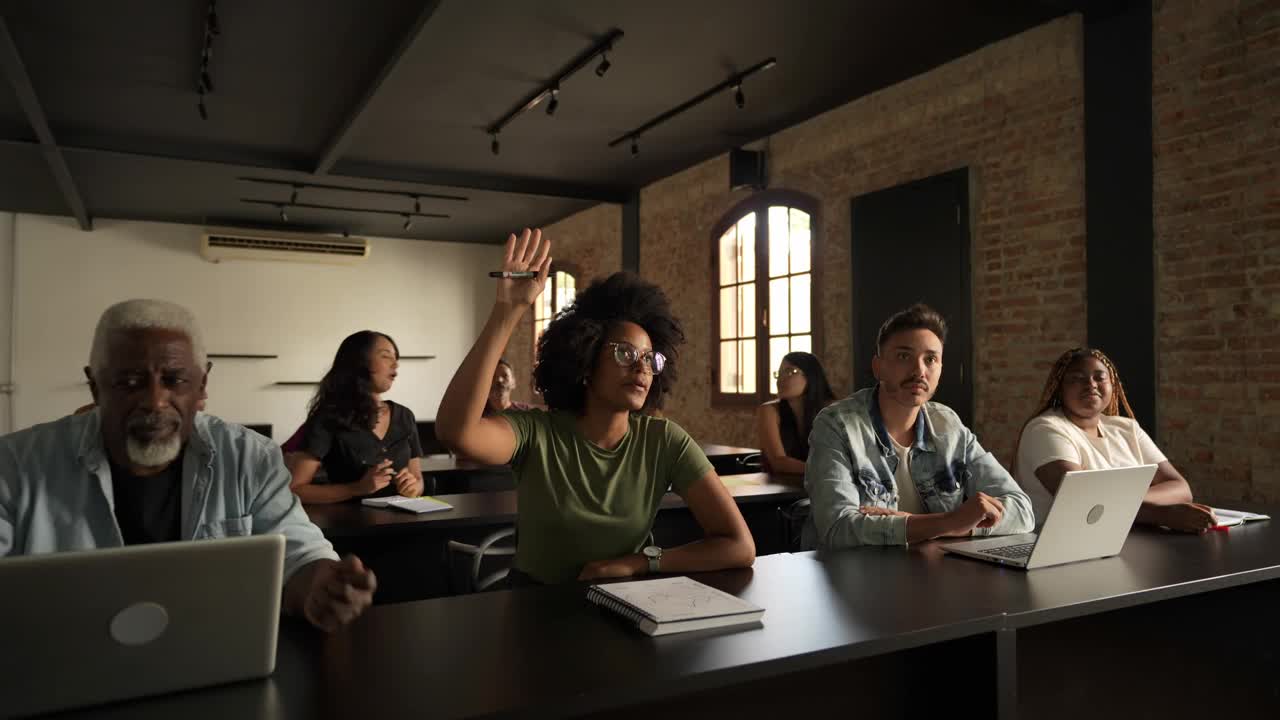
{"x":568,"y":348}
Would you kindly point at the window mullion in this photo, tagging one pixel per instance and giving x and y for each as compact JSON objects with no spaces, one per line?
{"x":762,"y":302}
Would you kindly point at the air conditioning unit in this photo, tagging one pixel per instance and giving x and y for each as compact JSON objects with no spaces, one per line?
{"x":218,"y":244}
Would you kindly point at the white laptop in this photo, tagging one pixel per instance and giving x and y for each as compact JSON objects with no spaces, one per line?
{"x":87,"y":627}
{"x":1090,"y":518}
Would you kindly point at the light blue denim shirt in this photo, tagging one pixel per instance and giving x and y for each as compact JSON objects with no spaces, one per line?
{"x":852,"y":464}
{"x":55,"y":490}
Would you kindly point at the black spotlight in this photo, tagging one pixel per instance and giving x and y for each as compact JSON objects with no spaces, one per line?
{"x":554,"y":102}
{"x":408,"y":222}
{"x":635,"y":147}
{"x":494,"y":147}
{"x":604,"y":66}
{"x":738,"y":98}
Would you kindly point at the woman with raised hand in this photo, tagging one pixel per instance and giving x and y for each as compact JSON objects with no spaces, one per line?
{"x":592,"y":469}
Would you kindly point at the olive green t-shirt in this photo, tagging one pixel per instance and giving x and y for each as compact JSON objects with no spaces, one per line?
{"x":579,"y":502}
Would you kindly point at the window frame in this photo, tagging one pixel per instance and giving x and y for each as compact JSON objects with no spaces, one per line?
{"x":760,"y":203}
{"x":567,"y":268}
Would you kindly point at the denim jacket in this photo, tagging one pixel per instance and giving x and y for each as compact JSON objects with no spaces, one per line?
{"x":852,"y":464}
{"x":56,"y":493}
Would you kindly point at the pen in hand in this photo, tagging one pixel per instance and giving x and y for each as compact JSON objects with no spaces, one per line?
{"x":516,"y":275}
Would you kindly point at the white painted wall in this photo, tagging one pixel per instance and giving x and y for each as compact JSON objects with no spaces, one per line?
{"x":431,"y":297}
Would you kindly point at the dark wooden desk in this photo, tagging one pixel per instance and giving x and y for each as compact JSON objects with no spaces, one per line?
{"x":730,"y":460}
{"x":453,"y":475}
{"x":408,"y":551}
{"x":885,"y":632}
{"x":450,"y":475}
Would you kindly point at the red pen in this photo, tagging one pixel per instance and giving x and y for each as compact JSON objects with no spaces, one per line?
{"x":1221,"y":528}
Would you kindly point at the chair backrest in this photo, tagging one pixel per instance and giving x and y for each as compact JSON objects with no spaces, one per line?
{"x":794,"y":517}
{"x":490,"y":547}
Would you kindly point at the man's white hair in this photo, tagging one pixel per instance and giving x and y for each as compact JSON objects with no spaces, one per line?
{"x":144,"y":315}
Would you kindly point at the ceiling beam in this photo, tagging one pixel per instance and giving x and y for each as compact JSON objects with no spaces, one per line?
{"x":337,"y":144}
{"x":357,"y":173}
{"x":26,"y":92}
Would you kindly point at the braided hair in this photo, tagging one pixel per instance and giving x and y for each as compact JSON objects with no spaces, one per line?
{"x":1051,"y":396}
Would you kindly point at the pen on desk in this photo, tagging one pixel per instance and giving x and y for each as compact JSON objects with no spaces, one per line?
{"x":518,"y":275}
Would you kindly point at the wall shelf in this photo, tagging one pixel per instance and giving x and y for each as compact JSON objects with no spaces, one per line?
{"x":234,"y":356}
{"x":297,"y":383}
{"x":417,"y":357}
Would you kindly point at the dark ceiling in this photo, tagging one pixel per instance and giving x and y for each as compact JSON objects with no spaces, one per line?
{"x":398,"y":94}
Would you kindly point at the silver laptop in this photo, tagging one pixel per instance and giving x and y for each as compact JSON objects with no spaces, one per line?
{"x":87,"y":627}
{"x":1090,"y":518}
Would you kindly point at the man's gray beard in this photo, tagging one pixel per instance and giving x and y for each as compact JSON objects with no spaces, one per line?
{"x":154,"y":454}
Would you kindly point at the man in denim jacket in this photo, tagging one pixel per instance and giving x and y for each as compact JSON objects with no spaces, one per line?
{"x":145,"y":466}
{"x":888,"y":467}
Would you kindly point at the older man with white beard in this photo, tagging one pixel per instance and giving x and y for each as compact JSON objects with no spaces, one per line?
{"x":146,"y":467}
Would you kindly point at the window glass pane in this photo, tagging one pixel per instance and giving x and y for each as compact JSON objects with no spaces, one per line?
{"x":801,"y":241}
{"x":778,"y":241}
{"x":729,"y":256}
{"x":747,"y":356}
{"x":728,"y":367}
{"x":728,"y":312}
{"x":800,"y":311}
{"x":539,"y":305}
{"x":802,"y":343}
{"x":747,"y":311}
{"x":778,"y":312}
{"x":777,"y":348}
{"x":747,"y":248}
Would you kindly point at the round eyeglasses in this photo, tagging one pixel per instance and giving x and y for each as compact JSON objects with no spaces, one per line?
{"x":786,"y":373}
{"x":627,"y":355}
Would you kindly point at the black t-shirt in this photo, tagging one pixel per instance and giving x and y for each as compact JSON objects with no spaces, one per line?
{"x":347,"y":452}
{"x":148,"y":509}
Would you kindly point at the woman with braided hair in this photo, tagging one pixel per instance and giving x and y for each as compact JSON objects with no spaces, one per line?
{"x":1079,"y":425}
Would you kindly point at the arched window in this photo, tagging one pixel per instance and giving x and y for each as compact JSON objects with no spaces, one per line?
{"x":764,"y":293}
{"x":561,"y":288}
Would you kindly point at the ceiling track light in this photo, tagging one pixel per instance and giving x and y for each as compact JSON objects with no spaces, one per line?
{"x":417,"y":205}
{"x":635,"y":147}
{"x":285,"y":207}
{"x":550,"y":90}
{"x":297,"y":187}
{"x":408,"y":223}
{"x":734,"y":81}
{"x":204,"y":79}
{"x":495,"y":147}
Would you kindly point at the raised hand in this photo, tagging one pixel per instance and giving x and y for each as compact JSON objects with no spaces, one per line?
{"x":529,"y":252}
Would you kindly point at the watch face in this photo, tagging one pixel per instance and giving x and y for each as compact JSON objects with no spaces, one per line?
{"x":652,"y":552}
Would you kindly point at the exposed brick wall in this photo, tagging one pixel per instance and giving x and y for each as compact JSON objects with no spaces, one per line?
{"x":591,"y":242}
{"x":1013,"y":113}
{"x":1216,"y":131}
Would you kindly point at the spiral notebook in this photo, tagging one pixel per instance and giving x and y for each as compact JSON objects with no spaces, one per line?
{"x":674,"y":604}
{"x":1229,"y":518}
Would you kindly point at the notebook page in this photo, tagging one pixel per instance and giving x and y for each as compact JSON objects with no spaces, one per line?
{"x":677,"y":598}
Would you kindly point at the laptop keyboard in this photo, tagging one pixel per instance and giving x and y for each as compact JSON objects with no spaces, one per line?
{"x":1013,"y":552}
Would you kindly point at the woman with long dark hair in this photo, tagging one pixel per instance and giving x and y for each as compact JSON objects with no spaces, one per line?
{"x":367,"y":445}
{"x":592,"y":470}
{"x":783,"y":425}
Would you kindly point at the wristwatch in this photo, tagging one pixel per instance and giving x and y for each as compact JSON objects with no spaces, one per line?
{"x":653,"y":554}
